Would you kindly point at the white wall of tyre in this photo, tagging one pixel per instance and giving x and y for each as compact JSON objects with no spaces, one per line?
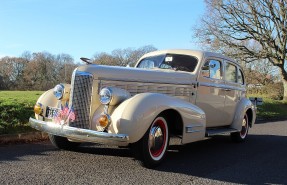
{"x":244,"y":123}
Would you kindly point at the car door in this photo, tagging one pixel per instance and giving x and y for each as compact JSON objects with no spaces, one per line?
{"x":211,"y":92}
{"x":234,"y":82}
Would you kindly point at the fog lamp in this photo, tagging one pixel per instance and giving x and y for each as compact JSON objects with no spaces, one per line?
{"x":104,"y":120}
{"x":38,"y":109}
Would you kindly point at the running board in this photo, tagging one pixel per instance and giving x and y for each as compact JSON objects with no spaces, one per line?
{"x":219,"y":131}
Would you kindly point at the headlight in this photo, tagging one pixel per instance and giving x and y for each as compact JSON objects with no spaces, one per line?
{"x":59,"y":91}
{"x":113,"y":95}
{"x":105,"y":96}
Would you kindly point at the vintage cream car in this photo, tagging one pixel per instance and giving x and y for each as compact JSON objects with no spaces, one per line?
{"x":182,"y":94}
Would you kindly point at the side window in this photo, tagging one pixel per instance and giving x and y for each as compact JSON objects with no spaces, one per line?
{"x":230,"y":73}
{"x":147,"y":64}
{"x":240,"y":77}
{"x":211,"y":69}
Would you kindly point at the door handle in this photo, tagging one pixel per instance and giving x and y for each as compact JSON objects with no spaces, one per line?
{"x":227,"y":89}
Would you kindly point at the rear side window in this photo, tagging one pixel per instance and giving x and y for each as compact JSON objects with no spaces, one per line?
{"x":230,"y":73}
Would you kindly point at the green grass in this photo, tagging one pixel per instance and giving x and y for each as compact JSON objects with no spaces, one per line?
{"x":15,"y":109}
{"x":17,"y":106}
{"x":271,"y":109}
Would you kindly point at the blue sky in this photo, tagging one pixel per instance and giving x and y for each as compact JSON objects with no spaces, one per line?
{"x":85,"y":27}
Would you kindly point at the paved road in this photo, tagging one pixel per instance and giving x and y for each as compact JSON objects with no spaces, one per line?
{"x":261,"y":160}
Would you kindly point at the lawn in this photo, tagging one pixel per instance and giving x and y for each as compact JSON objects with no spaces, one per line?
{"x":271,"y":109}
{"x":17,"y":106}
{"x":15,"y":109}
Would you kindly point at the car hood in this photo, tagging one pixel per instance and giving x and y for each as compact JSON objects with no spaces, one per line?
{"x":101,"y":72}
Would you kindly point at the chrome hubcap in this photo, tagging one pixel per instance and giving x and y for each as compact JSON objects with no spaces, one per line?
{"x":156,"y":139}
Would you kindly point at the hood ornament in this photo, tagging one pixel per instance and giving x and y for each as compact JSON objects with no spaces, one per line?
{"x":86,"y":60}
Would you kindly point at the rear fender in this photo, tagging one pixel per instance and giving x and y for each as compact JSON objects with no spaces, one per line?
{"x":135,"y":115}
{"x":242,"y":108}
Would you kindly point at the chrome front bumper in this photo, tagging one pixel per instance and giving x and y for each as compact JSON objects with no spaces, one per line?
{"x":79,"y":134}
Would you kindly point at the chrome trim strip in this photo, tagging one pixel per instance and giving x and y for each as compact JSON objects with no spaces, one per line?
{"x":137,"y":81}
{"x":193,"y":126}
{"x":79,"y":134}
{"x":206,"y":84}
{"x":182,"y":91}
{"x":83,"y":73}
{"x":189,"y":128}
{"x":221,"y":86}
{"x":194,"y":131}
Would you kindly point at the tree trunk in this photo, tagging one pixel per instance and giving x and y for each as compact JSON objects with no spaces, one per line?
{"x":284,"y":89}
{"x":283,"y":74}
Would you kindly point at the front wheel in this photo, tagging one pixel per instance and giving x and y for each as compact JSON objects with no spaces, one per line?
{"x":241,"y":135}
{"x":62,"y":142}
{"x":153,"y":146}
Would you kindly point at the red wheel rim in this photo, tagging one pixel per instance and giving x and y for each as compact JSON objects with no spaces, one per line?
{"x":157,"y":138}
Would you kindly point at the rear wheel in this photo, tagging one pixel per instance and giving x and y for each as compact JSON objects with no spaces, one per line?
{"x":241,"y":135}
{"x":153,"y":146}
{"x":62,"y":142}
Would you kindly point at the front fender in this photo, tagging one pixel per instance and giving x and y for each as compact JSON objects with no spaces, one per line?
{"x":135,"y":115}
{"x":47,"y":99}
{"x":243,"y":106}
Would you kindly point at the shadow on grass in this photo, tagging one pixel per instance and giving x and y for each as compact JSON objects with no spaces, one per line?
{"x":14,"y":118}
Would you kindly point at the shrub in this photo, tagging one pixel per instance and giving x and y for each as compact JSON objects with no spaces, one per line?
{"x":273,"y":91}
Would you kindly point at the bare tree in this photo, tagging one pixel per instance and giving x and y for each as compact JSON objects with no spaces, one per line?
{"x":64,"y":68}
{"x":260,"y":72}
{"x":104,"y":59}
{"x":122,"y":57}
{"x":45,"y":70}
{"x":11,"y":71}
{"x":138,"y":53}
{"x":248,"y":30}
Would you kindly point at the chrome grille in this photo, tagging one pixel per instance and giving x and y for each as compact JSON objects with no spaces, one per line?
{"x":80,"y":98}
{"x":176,"y":90}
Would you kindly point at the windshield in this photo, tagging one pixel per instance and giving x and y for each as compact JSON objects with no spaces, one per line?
{"x":169,"y":61}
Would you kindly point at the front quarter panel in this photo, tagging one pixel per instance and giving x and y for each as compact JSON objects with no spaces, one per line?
{"x":135,"y":115}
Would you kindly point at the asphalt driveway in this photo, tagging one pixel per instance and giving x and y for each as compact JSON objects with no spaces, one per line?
{"x":260,"y":160}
